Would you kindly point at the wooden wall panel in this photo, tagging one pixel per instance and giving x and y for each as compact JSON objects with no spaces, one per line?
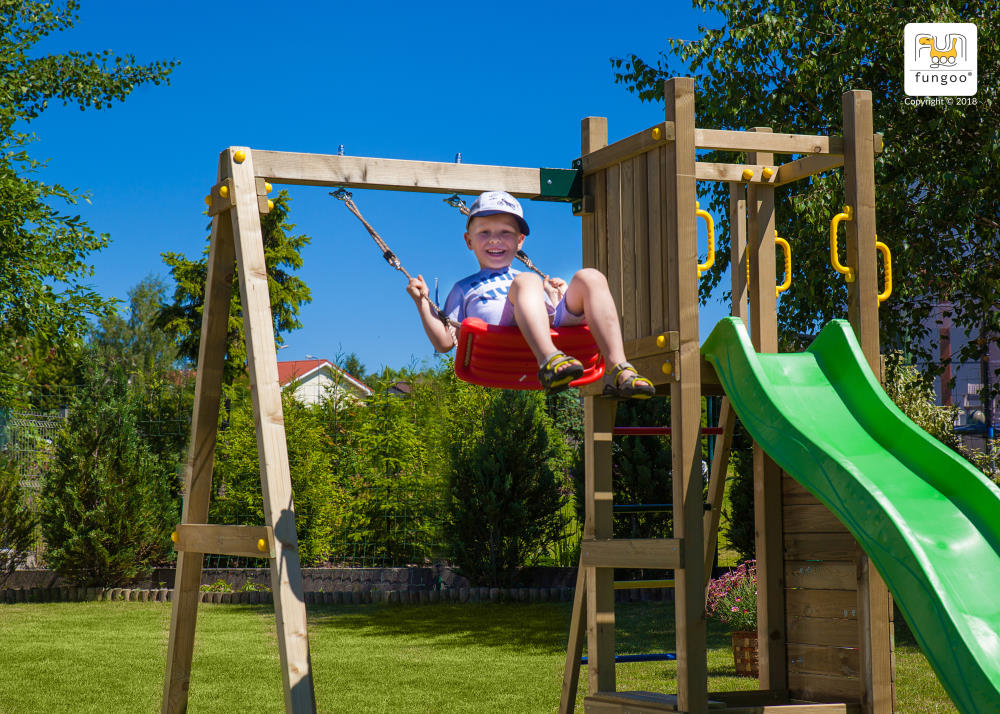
{"x":656,"y":231}
{"x":628,"y":221}
{"x":613,"y":218}
{"x":640,"y":202}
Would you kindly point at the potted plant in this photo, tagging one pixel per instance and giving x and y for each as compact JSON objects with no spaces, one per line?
{"x":732,"y":599}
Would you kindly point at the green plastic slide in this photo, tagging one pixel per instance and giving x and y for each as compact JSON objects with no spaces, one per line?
{"x":928,"y":520}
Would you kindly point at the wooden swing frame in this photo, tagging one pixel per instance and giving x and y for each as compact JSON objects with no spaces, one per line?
{"x":639,"y":227}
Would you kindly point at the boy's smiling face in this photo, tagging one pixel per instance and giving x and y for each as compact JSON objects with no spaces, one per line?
{"x":494,"y":239}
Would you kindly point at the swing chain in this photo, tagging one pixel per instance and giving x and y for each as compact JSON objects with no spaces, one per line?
{"x":344,"y":195}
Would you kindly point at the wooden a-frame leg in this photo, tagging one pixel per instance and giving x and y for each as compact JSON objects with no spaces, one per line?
{"x":272,"y":450}
{"x":198,"y":470}
{"x":574,"y":647}
{"x":717,"y":483}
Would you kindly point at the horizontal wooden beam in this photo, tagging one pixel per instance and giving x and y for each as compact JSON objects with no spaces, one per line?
{"x":807,"y":166}
{"x":708,"y":171}
{"x":224,"y":540}
{"x":626,"y":148}
{"x":727,"y":140}
{"x":283,"y":167}
{"x":631,"y":553}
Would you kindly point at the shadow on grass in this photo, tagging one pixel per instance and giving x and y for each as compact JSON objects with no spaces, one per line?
{"x":641,"y":627}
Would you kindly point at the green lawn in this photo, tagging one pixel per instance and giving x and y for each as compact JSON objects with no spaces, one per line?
{"x":109,"y":657}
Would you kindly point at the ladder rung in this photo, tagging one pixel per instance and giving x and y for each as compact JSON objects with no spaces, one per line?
{"x":642,"y":584}
{"x":662,"y":553}
{"x":248,"y":541}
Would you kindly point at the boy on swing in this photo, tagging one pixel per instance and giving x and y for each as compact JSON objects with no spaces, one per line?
{"x":501,"y":295}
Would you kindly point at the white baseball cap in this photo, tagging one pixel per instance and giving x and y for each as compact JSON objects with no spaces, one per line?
{"x":493,"y":202}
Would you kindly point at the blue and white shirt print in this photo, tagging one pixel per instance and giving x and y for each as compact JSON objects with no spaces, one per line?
{"x":483,"y":295}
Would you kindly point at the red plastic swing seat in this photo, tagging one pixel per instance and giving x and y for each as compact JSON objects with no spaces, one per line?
{"x":495,"y":356}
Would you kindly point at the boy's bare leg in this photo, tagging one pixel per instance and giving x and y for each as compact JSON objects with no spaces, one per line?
{"x":588,"y":294}
{"x":528,"y":298}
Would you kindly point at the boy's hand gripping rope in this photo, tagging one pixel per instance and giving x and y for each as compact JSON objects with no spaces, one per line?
{"x":390,"y":257}
{"x":455,"y":201}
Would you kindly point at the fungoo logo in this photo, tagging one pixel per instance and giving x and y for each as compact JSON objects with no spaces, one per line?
{"x":940,"y":59}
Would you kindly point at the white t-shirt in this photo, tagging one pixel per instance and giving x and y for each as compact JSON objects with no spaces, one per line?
{"x":484,"y":295}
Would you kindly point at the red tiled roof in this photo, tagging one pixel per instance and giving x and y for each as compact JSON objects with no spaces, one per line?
{"x":297,"y":369}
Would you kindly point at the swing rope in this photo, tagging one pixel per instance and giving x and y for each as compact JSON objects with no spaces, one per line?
{"x":455,"y":201}
{"x":344,"y":195}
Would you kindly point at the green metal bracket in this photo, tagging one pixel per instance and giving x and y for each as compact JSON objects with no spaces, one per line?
{"x":560,"y":185}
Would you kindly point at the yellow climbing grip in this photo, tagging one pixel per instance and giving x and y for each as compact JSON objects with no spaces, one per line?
{"x":710,"y":228}
{"x":787,"y":250}
{"x":887,"y":266}
{"x":846,"y":215}
{"x":747,"y":174}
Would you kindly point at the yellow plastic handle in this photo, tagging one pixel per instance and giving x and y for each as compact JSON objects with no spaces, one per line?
{"x":787,"y":249}
{"x":847,"y":215}
{"x":710,"y":229}
{"x":887,"y":261}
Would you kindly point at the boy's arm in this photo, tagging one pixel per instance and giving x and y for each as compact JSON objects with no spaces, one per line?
{"x":439,"y":335}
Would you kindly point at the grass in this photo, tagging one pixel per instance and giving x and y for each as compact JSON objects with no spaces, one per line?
{"x":109,"y":657}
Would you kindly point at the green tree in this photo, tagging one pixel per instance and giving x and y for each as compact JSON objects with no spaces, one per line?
{"x":182,"y":318}
{"x":109,"y":501}
{"x":135,"y":339}
{"x":506,"y":500}
{"x":17,"y":520}
{"x":785,"y":65}
{"x":43,"y":293}
{"x":237,"y":496}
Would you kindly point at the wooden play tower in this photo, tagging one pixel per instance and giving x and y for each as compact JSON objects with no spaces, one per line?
{"x":825,"y":616}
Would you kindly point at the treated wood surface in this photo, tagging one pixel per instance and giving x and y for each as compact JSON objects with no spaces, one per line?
{"x":733,"y":173}
{"x":628,"y":253}
{"x":627,"y":148}
{"x":656,"y":223}
{"x":821,"y":575}
{"x":659,"y":553}
{"x":574,"y":646}
{"x":599,"y":417}
{"x":593,"y":135}
{"x":822,"y":631}
{"x":842,"y":604}
{"x":613,"y":235}
{"x":201,"y":456}
{"x":717,"y":482}
{"x":685,"y":396}
{"x":640,"y":203}
{"x":824,"y":687}
{"x":225,"y":540}
{"x":285,"y":167}
{"x":272,"y":450}
{"x":833,"y":661}
{"x":814,"y":518}
{"x":807,"y":166}
{"x":820,"y":546}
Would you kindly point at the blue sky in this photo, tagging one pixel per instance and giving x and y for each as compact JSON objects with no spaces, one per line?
{"x":503,"y":84}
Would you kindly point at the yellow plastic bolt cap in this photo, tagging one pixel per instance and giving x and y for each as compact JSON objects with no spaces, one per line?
{"x":767,"y":172}
{"x":224,"y":191}
{"x":747,"y":174}
{"x":267,"y":187}
{"x":208,"y":200}
{"x":657,"y":133}
{"x":174,"y":537}
{"x":661,"y":341}
{"x":667,"y":368}
{"x":240,"y":156}
{"x":270,"y":205}
{"x":262,"y":545}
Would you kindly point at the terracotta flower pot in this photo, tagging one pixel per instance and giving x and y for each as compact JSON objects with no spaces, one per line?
{"x":745,"y":653}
